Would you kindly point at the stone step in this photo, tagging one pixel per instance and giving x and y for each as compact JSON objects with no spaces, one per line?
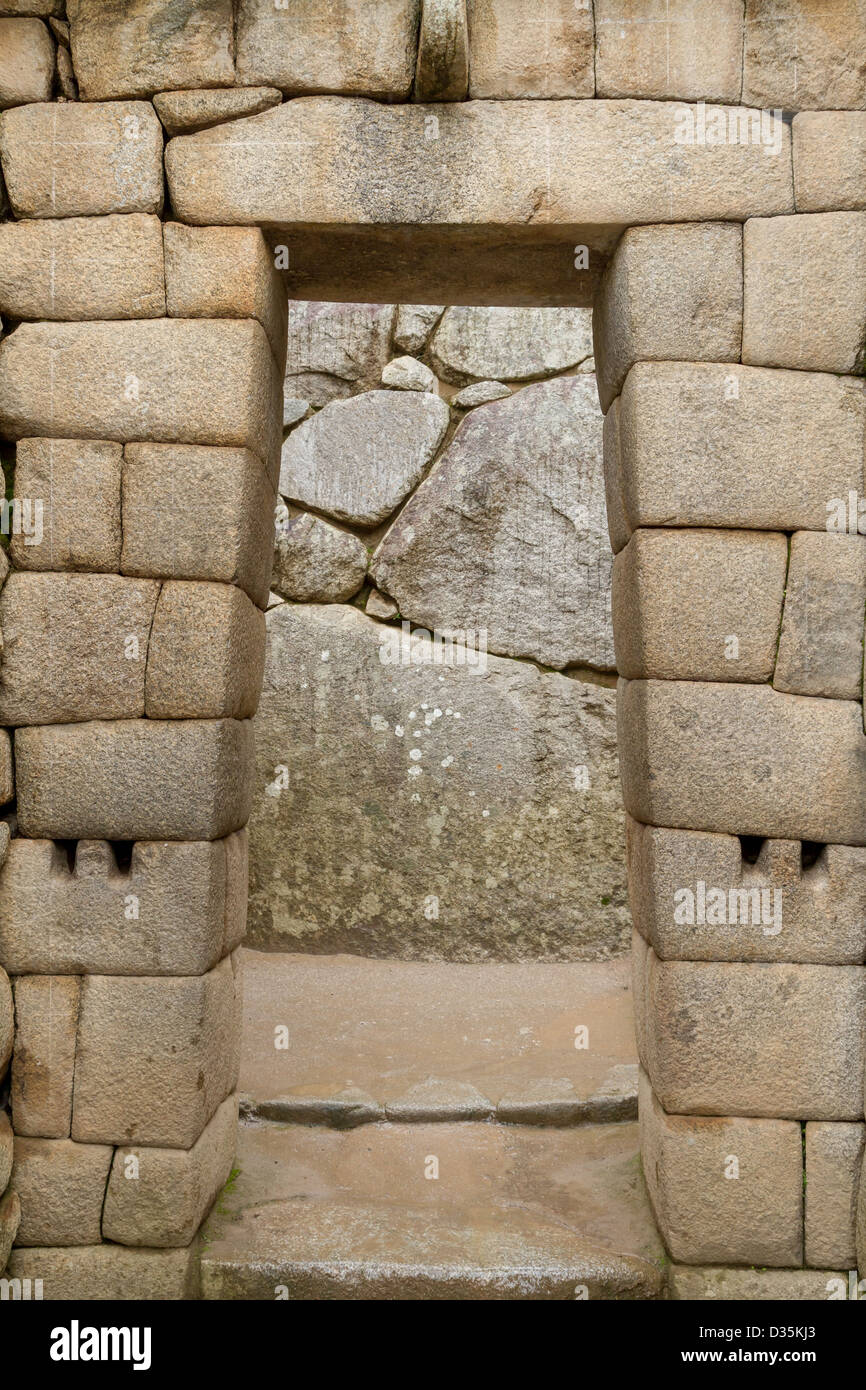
{"x":368,"y":1040}
{"x":446,"y":1211}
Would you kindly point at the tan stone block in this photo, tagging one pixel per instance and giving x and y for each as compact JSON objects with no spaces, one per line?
{"x":206,"y":657}
{"x":82,"y":268}
{"x":861,"y":1220}
{"x":75,"y":647}
{"x":175,"y":909}
{"x":525,"y":50}
{"x":198,"y":513}
{"x":834,"y":1157}
{"x":80,"y":160}
{"x":183,"y":112}
{"x":7,"y":1021}
{"x":163,"y":1195}
{"x":798,"y":54}
{"x":77,"y":482}
{"x":106,"y":1273}
{"x":7,"y":776}
{"x":669,"y":48}
{"x":724,"y":1191}
{"x":805,"y":291}
{"x":617,"y":525}
{"x":755,"y":1285}
{"x":821,"y":642}
{"x":141,"y":47}
{"x":442,"y":71}
{"x":136,"y":779}
{"x":699,"y":605}
{"x":639,"y":961}
{"x":830,"y":160}
{"x":62,"y":1187}
{"x":6,"y":1151}
{"x":46,"y":1025}
{"x":10,"y":1216}
{"x":26,"y":62}
{"x":742,"y":759}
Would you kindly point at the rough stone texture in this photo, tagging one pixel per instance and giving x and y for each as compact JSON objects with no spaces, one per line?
{"x":705,"y":445}
{"x":798,"y":54}
{"x":669,"y":48}
{"x":26,"y":62}
{"x":336,"y":350}
{"x":414,"y":324}
{"x":315,"y":561}
{"x":821,"y":642}
{"x":519,"y":50}
{"x":75,"y":647}
{"x":380,"y":606}
{"x":78,"y":484}
{"x":46,"y":1022}
{"x":507,"y":535}
{"x":294,"y":410}
{"x":66,"y":83}
{"x":670,"y":293}
{"x":206,"y":654}
{"x":822,"y":905}
{"x":834,"y":1157}
{"x":106,"y":1273}
{"x":861,"y":1225}
{"x":618,"y":528}
{"x":754,"y":1285}
{"x":156,"y":1057}
{"x":176,"y":910}
{"x":6,"y":1149}
{"x":329,"y":47}
{"x":81,"y":160}
{"x":197,"y":513}
{"x":7,"y":1021}
{"x":509,"y":344}
{"x":743,"y":759}
{"x":61,"y":1186}
{"x":376,"y":834}
{"x":442,"y":71}
{"x":480,"y":393}
{"x":134,"y":779}
{"x":805,"y":291}
{"x":706,"y":1217}
{"x":407,"y":374}
{"x":82,"y":268}
{"x":171,"y":1191}
{"x":137,"y":48}
{"x":10,"y":1215}
{"x":830,"y":160}
{"x":7,"y":776}
{"x":700,"y":605}
{"x":184,"y":112}
{"x":357,"y":460}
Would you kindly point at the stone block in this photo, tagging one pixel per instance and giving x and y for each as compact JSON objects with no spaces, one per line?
{"x":661,"y":49}
{"x":821,"y":642}
{"x":834,"y":1158}
{"x":830,"y":161}
{"x":206,"y":655}
{"x":742,"y":759}
{"x":7,"y":776}
{"x":133,"y":50}
{"x":805,"y":291}
{"x":524,"y":50}
{"x":159,"y":1197}
{"x":61,"y":1186}
{"x":724,"y":1191}
{"x":174,"y":909}
{"x":75,"y":647}
{"x":415,"y":323}
{"x":136,"y":779}
{"x":107,"y":1273}
{"x":754,"y":1285}
{"x":699,"y":604}
{"x":77,"y":482}
{"x":26,"y":62}
{"x":617,"y":526}
{"x":7,"y":1021}
{"x":10,"y":1216}
{"x":46,"y":1025}
{"x":82,"y":268}
{"x":442,"y":70}
{"x":156,"y":1057}
{"x":6,"y":1151}
{"x":797,"y":54}
{"x":509,"y":344}
{"x":81,"y":160}
{"x":670,"y":293}
{"x":314,"y":561}
{"x":639,"y":965}
{"x":183,"y":112}
{"x":861,"y":1221}
{"x":336,"y":350}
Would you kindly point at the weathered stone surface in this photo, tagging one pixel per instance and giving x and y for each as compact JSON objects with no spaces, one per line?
{"x":336,"y":350}
{"x":830,"y":160}
{"x":32,"y":7}
{"x":175,"y":910}
{"x":329,"y":47}
{"x":809,"y":912}
{"x":46,"y":1023}
{"x":206,"y":654}
{"x":742,"y":759}
{"x":82,"y":160}
{"x":805,"y":291}
{"x":669,"y":48}
{"x":379,"y":801}
{"x":7,"y":776}
{"x":156,"y":1057}
{"x":357,"y":460}
{"x":315,"y":561}
{"x":519,"y":50}
{"x":77,"y":482}
{"x":380,"y":606}
{"x":408,"y":374}
{"x":415,"y":323}
{"x":705,"y":1214}
{"x":706,"y":445}
{"x":507,"y":535}
{"x":6,"y":1147}
{"x":861,"y":1225}
{"x":10,"y":1216}
{"x":184,"y":112}
{"x":61,"y":1186}
{"x":66,"y":83}
{"x":754,"y":1285}
{"x":480,"y":393}
{"x":294,"y":410}
{"x":618,"y":527}
{"x":82,"y":268}
{"x":509,"y":344}
{"x":700,"y":604}
{"x":442,"y":71}
{"x":138,"y":48}
{"x":821,"y":642}
{"x":7,"y":1021}
{"x":106,"y":1273}
{"x":798,"y":54}
{"x":670,"y":293}
{"x":197,"y":513}
{"x":441,"y":1100}
{"x":75,"y":647}
{"x":26,"y":62}
{"x":134,"y":779}
{"x":834,"y":1157}
{"x":169,"y":1192}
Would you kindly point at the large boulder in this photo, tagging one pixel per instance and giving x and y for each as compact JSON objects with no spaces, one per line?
{"x":510,"y":344}
{"x":336,"y":350}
